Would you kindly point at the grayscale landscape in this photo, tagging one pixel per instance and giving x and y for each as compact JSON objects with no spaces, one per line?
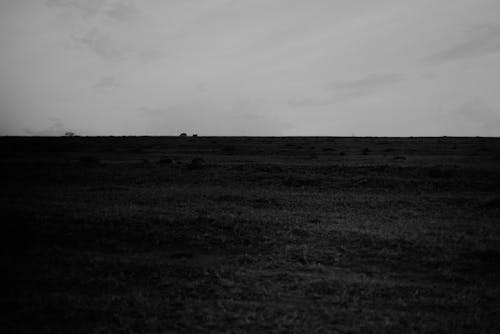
{"x":250,"y":166}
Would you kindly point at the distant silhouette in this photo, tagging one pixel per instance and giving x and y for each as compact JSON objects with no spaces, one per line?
{"x":183,"y":134}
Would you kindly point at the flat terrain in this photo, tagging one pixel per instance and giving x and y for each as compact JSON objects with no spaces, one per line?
{"x":291,"y":235}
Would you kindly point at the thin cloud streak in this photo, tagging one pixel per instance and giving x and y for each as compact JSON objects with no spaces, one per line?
{"x":100,"y":44}
{"x":122,"y":11}
{"x":106,"y":82}
{"x":368,"y":83}
{"x":484,"y":39}
{"x":87,"y":8}
{"x":342,"y":91}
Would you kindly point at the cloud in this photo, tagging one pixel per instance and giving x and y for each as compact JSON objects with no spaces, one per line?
{"x":57,"y":128}
{"x":123,"y":12}
{"x":368,"y":83}
{"x":106,"y":82}
{"x":483,"y":39}
{"x":341,"y":91}
{"x":99,"y":16}
{"x":87,"y":8}
{"x":100,"y":44}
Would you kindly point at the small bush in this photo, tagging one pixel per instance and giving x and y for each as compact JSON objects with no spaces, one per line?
{"x":196,"y":163}
{"x":229,"y":149}
{"x":88,"y":160}
{"x":165,"y":160}
{"x":270,"y":169}
{"x":493,"y":203}
{"x":436,"y":172}
{"x":136,"y":150}
{"x":245,"y":259}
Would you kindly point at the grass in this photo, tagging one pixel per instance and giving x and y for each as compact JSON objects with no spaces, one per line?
{"x":389,"y":235}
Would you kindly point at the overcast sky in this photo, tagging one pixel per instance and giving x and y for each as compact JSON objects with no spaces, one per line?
{"x":250,"y":67}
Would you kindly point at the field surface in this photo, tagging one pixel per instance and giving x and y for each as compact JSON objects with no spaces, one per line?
{"x":236,"y":234}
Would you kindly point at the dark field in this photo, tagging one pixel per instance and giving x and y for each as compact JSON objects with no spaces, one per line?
{"x":258,"y":235}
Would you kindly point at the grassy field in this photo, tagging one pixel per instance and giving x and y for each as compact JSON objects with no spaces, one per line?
{"x":235,"y":234}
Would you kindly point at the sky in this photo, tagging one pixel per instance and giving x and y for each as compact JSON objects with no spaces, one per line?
{"x":250,"y":68}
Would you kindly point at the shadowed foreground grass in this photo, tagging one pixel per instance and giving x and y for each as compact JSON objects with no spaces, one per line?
{"x":258,"y":234}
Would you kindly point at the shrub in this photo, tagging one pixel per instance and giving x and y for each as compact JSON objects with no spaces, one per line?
{"x":165,"y":160}
{"x":89,"y":160}
{"x":436,"y":172}
{"x":493,"y":203}
{"x":229,"y":149}
{"x":196,"y":163}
